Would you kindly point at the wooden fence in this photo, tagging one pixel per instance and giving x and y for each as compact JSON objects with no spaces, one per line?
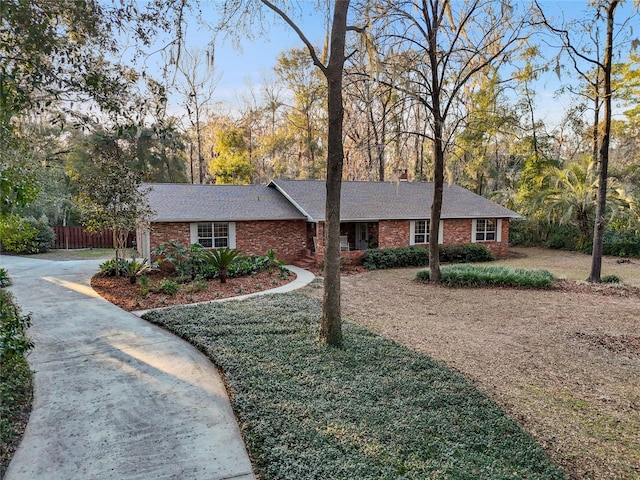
{"x":78,"y":237}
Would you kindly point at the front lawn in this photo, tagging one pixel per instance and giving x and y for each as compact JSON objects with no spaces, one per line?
{"x":374,"y":409}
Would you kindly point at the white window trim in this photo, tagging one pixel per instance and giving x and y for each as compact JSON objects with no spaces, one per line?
{"x":474,"y":226}
{"x":412,"y":233}
{"x":193,"y":227}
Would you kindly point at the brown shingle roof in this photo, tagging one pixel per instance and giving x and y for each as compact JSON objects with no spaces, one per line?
{"x":185,"y":202}
{"x":362,"y":201}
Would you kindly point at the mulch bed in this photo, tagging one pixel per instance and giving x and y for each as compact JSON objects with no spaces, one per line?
{"x":132,"y":297}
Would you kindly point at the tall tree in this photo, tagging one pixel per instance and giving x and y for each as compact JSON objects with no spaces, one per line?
{"x":197,"y":85}
{"x":332,"y":69}
{"x":305,"y":116}
{"x":448,"y":43}
{"x":601,"y":59}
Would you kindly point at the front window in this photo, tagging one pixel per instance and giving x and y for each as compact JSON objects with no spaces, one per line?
{"x":213,"y":235}
{"x":485,"y":230}
{"x":421,"y":233}
{"x":221,"y":235}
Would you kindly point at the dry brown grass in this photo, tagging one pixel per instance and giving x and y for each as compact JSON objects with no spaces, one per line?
{"x":573,"y":265}
{"x":564,"y":363}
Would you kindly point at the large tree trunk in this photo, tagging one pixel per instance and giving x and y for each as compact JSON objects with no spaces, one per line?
{"x":601,"y":206}
{"x":436,"y":206}
{"x":438,"y":150}
{"x":331,"y":326}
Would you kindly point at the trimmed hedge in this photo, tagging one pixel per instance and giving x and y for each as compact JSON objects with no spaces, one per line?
{"x":377,"y":259}
{"x":465,"y":253}
{"x":481,"y":276}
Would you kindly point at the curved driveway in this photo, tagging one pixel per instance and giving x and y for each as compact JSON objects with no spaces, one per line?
{"x":115,"y":397}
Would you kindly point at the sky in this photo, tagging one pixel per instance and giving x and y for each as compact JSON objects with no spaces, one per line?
{"x":240,"y":68}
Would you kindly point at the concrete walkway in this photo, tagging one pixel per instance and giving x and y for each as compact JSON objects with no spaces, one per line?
{"x":116,"y":397}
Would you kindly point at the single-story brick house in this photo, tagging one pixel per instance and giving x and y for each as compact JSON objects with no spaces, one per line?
{"x":288,"y":216}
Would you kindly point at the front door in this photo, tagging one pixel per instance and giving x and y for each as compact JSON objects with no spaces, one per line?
{"x":362,"y":236}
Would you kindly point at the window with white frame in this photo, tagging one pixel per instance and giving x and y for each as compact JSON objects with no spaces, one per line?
{"x":421,"y":232}
{"x":212,"y":234}
{"x":485,"y":230}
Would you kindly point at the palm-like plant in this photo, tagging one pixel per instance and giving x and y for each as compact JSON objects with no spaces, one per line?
{"x":571,"y":196}
{"x":134,"y":269}
{"x":220,"y":259}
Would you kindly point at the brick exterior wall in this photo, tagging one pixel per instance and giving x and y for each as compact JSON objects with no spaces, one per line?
{"x":459,"y":231}
{"x":163,"y":232}
{"x":289,"y":239}
{"x":393,"y":233}
{"x":286,"y":238}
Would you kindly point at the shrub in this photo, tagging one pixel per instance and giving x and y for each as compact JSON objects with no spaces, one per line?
{"x":611,"y":279}
{"x":169,"y":287}
{"x":465,"y":253}
{"x":25,"y":235}
{"x":44,"y":236}
{"x":108,"y":268}
{"x":5,"y":280}
{"x":15,"y":234}
{"x":376,"y":259}
{"x":622,"y":243}
{"x":185,"y":260}
{"x":525,"y":233}
{"x":480,"y":276}
{"x":564,"y":237}
{"x":419,"y":257}
{"x":15,"y":374}
{"x":197,"y":285}
{"x":221,"y":259}
{"x":133,"y":269}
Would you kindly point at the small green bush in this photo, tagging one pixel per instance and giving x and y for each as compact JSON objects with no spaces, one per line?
{"x":622,"y":243}
{"x":564,"y":237}
{"x":5,"y":279}
{"x":108,"y":267}
{"x":25,"y":235}
{"x":465,"y":253}
{"x":15,"y":234}
{"x":133,"y":269}
{"x":611,"y":279}
{"x":44,"y":237}
{"x":376,"y":259}
{"x":481,"y":276}
{"x":185,"y":260}
{"x":169,"y":287}
{"x":525,"y":233}
{"x":197,"y":285}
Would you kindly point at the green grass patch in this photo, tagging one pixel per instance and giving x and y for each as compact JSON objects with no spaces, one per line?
{"x":372,"y":410}
{"x":483,"y":276}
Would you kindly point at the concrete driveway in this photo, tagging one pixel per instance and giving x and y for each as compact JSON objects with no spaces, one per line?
{"x":115,"y":397}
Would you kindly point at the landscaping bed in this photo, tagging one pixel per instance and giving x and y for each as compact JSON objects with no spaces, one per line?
{"x":136,"y":297}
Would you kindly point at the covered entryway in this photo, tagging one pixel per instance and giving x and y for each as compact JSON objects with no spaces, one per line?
{"x":361,"y":235}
